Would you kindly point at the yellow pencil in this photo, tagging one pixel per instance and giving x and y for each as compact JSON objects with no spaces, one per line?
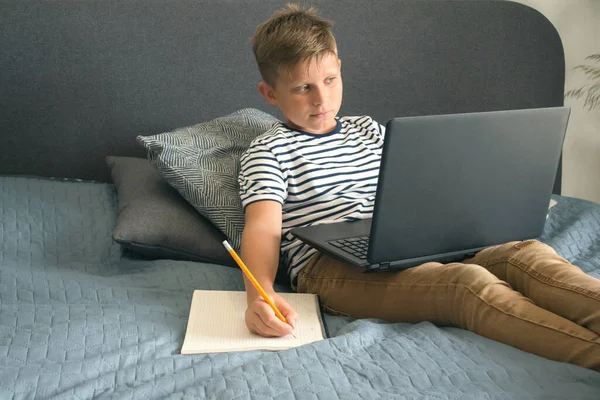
{"x":252,"y":279}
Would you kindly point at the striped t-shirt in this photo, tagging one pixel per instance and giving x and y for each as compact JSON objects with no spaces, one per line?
{"x":317,"y":178}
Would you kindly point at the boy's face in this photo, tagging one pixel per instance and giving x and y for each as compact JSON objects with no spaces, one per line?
{"x":308,"y":94}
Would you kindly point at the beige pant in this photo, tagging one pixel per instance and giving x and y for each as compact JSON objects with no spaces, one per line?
{"x":521,"y":293}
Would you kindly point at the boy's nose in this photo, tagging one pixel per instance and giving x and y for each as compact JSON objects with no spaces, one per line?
{"x":318,"y":96}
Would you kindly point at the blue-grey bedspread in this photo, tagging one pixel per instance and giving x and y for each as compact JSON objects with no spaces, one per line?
{"x":78,"y":320}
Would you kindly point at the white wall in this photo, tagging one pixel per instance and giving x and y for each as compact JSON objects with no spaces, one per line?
{"x":578,"y":24}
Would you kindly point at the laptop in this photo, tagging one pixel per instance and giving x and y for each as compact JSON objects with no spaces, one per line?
{"x":450,"y":186}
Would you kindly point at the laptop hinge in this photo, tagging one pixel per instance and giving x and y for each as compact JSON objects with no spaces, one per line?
{"x":384,"y":266}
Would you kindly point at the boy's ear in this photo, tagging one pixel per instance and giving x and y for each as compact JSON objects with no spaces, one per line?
{"x":267,"y":92}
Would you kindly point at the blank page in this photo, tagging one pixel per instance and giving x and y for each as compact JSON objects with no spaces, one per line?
{"x":216,"y":323}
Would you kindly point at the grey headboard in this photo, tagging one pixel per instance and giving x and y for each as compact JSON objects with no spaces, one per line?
{"x":80,"y":79}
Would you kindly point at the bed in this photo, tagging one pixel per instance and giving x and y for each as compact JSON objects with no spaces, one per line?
{"x":100,"y":249}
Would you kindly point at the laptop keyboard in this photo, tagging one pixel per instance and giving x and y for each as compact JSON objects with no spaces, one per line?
{"x":356,"y":246}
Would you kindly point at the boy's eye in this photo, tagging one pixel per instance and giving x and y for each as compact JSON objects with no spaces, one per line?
{"x":330,"y":79}
{"x":301,"y":89}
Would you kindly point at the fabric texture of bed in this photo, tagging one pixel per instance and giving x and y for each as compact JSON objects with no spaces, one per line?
{"x":80,"y":320}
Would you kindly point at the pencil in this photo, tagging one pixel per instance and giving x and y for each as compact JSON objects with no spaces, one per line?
{"x":252,"y":279}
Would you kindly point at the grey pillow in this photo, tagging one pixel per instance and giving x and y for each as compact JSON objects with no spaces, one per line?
{"x":155,"y":221}
{"x":203,"y":162}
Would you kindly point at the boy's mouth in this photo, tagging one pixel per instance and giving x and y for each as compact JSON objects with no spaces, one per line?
{"x":320,"y":115}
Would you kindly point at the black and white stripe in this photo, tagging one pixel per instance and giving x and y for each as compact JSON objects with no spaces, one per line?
{"x":318,"y":179}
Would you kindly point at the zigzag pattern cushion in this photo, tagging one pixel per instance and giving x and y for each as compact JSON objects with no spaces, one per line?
{"x":203,"y":162}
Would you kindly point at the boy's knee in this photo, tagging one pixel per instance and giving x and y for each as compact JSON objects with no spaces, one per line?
{"x":530,"y":250}
{"x":469,"y":274}
{"x":509,"y":250}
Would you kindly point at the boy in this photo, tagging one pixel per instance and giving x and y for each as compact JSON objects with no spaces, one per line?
{"x":316,"y":168}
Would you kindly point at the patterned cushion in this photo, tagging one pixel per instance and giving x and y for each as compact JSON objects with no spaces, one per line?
{"x":203,"y":162}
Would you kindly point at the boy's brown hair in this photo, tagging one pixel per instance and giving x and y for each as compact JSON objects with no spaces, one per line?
{"x":290,"y":36}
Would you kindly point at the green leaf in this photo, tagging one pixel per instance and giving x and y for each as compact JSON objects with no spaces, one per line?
{"x":593,"y":57}
{"x":591,"y":72}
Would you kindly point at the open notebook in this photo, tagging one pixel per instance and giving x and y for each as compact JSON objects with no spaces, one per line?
{"x":216,"y":323}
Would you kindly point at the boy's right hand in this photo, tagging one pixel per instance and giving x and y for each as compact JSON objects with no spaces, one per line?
{"x":261,"y":319}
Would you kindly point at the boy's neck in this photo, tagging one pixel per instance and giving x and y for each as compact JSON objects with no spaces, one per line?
{"x":335,"y":129}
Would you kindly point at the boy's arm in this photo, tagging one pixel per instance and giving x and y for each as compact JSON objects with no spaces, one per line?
{"x":261,"y":240}
{"x":260,"y":243}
